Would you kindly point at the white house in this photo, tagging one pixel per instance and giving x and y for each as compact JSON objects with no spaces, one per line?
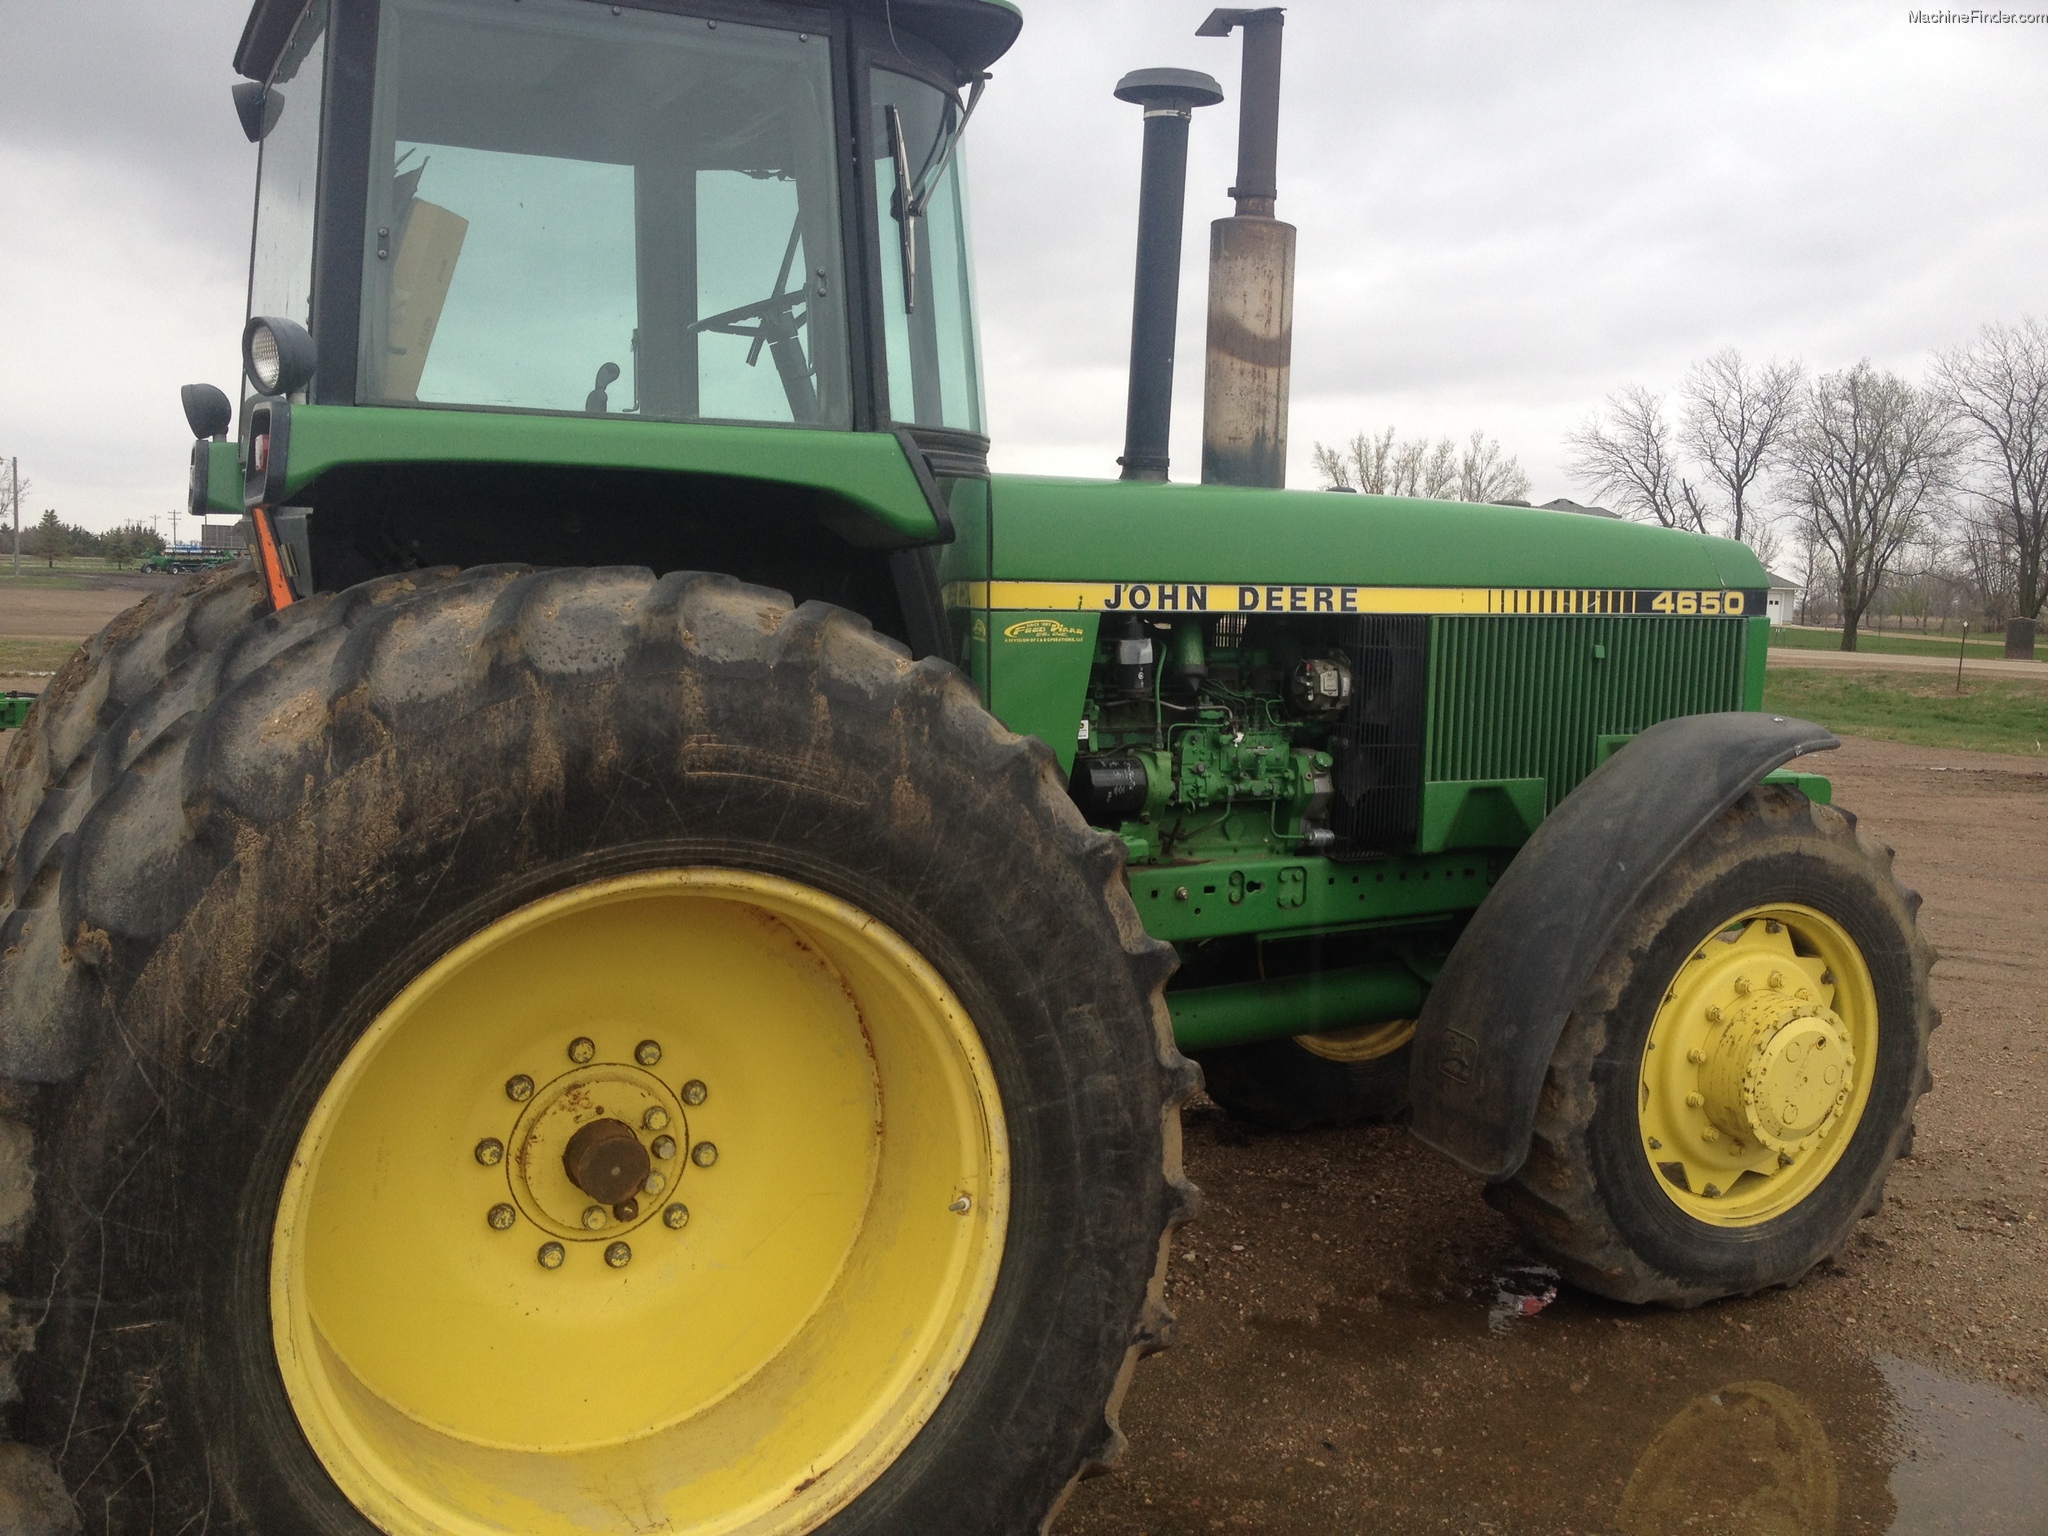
{"x":1784,"y":599}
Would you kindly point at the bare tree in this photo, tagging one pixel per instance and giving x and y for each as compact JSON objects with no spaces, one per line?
{"x":1871,"y":461}
{"x":1998,"y":385}
{"x":1624,"y":455}
{"x":1382,"y":465}
{"x":1734,"y":422}
{"x":1485,"y":475}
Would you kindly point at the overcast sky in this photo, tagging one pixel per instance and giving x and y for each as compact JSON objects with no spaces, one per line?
{"x":1506,"y":211}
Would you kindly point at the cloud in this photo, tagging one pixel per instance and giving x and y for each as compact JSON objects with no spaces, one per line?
{"x":1506,"y":211}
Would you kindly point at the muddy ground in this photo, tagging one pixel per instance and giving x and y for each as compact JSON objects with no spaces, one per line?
{"x":1348,"y":1361}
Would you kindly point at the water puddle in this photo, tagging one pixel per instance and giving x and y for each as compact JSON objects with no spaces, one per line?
{"x":1509,"y":1402}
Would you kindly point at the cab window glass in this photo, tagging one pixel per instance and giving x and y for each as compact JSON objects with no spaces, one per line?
{"x":288,"y":175}
{"x":625,"y":214}
{"x":928,"y":320}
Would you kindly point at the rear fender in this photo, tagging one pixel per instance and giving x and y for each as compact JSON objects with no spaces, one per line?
{"x":1487,"y":1031}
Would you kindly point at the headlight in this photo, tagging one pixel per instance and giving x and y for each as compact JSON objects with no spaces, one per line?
{"x":277,"y":355}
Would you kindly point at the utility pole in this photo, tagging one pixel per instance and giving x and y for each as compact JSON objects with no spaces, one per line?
{"x":14,"y":501}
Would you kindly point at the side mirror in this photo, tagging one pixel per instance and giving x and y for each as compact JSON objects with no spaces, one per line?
{"x":208,"y":411}
{"x":258,"y":107}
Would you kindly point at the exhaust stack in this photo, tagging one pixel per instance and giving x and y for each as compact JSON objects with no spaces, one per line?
{"x":1169,"y":97}
{"x":1251,"y":279}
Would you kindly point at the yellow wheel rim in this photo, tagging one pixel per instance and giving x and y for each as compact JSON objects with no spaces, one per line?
{"x":474,"y":1342}
{"x":1758,"y":1066}
{"x":1361,"y":1042}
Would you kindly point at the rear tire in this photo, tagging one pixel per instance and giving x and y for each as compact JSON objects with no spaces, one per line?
{"x":318,"y":808}
{"x":1308,"y":1082}
{"x":1776,"y":948}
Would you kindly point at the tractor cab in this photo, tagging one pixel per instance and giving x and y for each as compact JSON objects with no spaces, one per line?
{"x":732,"y":213}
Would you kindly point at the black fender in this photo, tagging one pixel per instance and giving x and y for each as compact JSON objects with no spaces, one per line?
{"x":1487,"y":1031}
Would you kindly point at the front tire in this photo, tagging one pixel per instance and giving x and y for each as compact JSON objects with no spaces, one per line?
{"x":1355,"y":1076}
{"x":1740,"y":1071}
{"x":344,"y":881}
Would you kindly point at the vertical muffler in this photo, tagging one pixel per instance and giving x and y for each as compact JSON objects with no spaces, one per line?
{"x":1169,"y":97}
{"x":1251,"y":279}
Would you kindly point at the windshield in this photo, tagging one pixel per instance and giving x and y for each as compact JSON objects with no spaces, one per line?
{"x":618,"y":212}
{"x":927,"y":301}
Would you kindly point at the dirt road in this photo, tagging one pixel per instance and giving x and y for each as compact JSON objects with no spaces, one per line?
{"x":1352,"y":1355}
{"x":1871,"y":661}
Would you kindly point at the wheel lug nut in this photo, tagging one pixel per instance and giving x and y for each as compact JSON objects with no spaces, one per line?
{"x":490,"y":1151}
{"x":1777,"y":980}
{"x":695,"y":1093}
{"x":664,"y":1147}
{"x":501,"y":1217}
{"x":619,"y":1255}
{"x":654,"y":1184}
{"x":656,"y":1119}
{"x":704,"y":1154}
{"x":1742,"y":986}
{"x":582,"y":1049}
{"x":676,"y":1216}
{"x":647,"y":1052}
{"x":1694,"y":1100}
{"x":594,"y":1219}
{"x":627,"y":1210}
{"x":1696,"y":1056}
{"x":551,"y":1255}
{"x":519,"y":1089}
{"x":1713,"y":1015}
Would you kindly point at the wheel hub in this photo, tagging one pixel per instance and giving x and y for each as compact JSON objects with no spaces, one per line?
{"x":590,"y":1152}
{"x":1780,"y":1073}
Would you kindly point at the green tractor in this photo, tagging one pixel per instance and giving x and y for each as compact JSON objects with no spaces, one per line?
{"x":635,"y":968}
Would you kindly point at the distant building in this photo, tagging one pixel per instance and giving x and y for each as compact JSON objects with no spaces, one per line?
{"x":1784,"y":599}
{"x":1563,"y":504}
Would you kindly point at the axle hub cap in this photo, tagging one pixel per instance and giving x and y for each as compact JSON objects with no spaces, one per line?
{"x":1757,"y":1067}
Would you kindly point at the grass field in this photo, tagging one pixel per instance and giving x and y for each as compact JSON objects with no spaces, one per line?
{"x":1923,"y":708}
{"x":1785,"y":637}
{"x":18,"y":656}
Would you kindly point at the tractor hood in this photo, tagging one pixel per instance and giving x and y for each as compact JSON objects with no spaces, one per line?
{"x":1099,"y":530}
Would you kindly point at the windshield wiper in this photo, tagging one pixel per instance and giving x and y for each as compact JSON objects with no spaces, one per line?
{"x":913,"y":198}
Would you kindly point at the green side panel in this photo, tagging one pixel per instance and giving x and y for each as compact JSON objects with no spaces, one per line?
{"x":1498,"y":813}
{"x":1142,"y":531}
{"x":1531,"y":698}
{"x":1753,"y":665}
{"x":961,"y":564}
{"x":865,"y":471}
{"x":1038,"y":666}
{"x":224,"y":477}
{"x":1277,"y":896}
{"x":1813,"y":785}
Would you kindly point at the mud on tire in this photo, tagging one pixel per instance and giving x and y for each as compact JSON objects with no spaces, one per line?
{"x":232,"y":839}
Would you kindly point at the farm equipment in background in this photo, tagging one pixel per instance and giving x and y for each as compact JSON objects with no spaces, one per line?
{"x":630,"y":970}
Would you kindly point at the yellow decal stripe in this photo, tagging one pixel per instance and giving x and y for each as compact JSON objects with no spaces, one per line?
{"x":1283,"y":597}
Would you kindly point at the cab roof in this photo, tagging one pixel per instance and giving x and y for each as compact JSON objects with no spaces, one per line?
{"x":973,"y":33}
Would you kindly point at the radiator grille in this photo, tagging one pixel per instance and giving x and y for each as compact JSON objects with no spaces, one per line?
{"x":1378,"y":747}
{"x":1527,"y":698}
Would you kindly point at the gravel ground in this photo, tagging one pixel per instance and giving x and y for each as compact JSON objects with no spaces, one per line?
{"x":1352,"y":1354}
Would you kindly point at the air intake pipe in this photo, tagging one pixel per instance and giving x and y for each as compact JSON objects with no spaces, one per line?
{"x":1251,"y":279}
{"x":1169,"y":97}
